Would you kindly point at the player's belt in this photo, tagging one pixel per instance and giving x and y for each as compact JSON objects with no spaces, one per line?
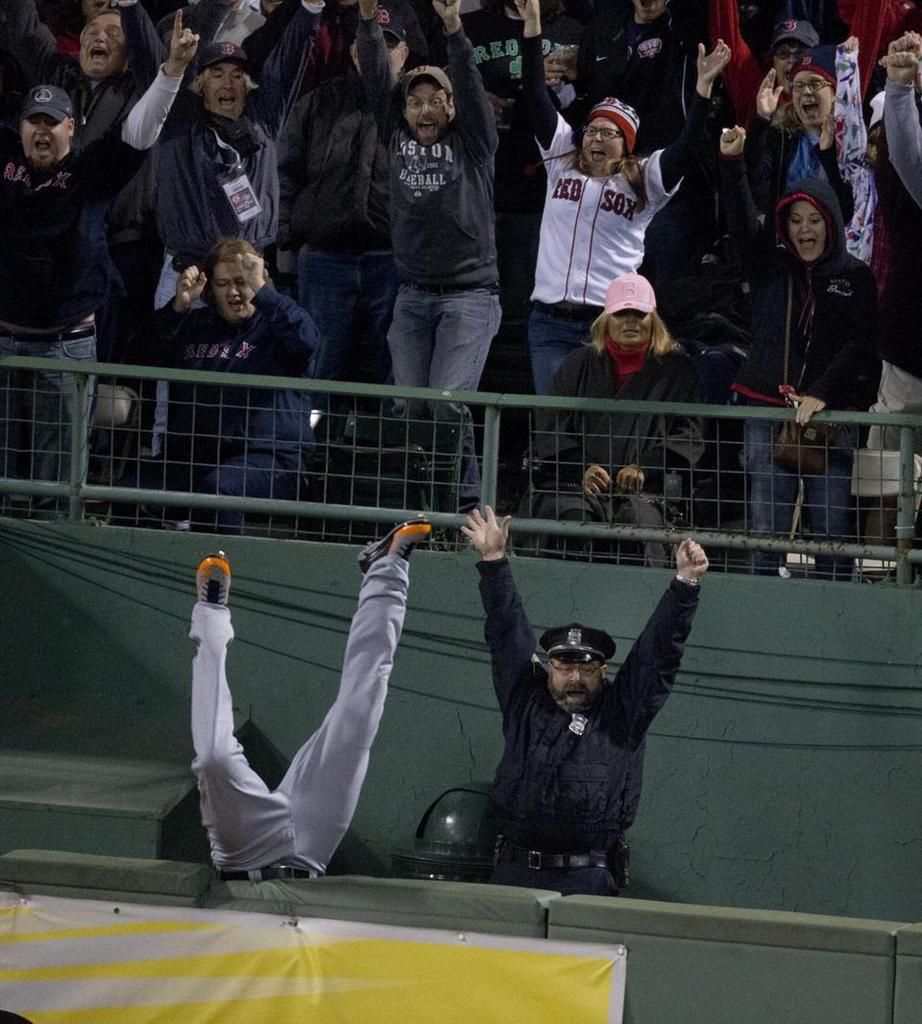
{"x":568,"y":310}
{"x":538,"y":859}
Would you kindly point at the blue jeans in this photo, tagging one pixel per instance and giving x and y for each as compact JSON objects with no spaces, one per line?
{"x":550,"y":340}
{"x":36,"y":408}
{"x":331,"y":287}
{"x":772,"y":495}
{"x":441,"y":340}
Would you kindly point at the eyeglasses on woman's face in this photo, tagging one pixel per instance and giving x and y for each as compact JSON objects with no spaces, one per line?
{"x":810,"y":84}
{"x":592,"y":130}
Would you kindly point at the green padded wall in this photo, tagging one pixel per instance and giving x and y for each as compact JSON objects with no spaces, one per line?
{"x":907,"y":1008}
{"x":725,"y":966}
{"x":783,"y":774}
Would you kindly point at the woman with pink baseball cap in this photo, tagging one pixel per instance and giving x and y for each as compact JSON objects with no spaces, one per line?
{"x":591,"y":465}
{"x":600,"y":199}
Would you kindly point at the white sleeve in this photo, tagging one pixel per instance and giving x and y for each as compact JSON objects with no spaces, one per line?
{"x":561,"y":143}
{"x":653,"y":179}
{"x":142,"y":127}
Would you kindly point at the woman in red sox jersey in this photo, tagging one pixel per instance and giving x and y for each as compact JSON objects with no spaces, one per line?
{"x":600,"y":199}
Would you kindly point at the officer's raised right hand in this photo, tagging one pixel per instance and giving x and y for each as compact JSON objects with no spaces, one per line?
{"x":487,"y":534}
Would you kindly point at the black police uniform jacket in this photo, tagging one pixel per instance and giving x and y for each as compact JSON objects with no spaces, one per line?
{"x":556,"y":790}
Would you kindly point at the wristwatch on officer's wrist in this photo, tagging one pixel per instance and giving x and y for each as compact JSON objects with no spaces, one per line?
{"x":688,"y":580}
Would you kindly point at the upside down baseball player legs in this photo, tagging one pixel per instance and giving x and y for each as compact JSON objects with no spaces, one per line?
{"x":326,"y":775}
{"x":302,"y":822}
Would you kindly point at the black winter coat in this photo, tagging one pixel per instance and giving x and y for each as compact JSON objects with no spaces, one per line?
{"x":833,"y":357}
{"x":569,"y":441}
{"x":769,"y":153}
{"x":333,"y":172}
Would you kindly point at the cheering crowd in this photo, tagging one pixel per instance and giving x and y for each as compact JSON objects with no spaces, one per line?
{"x":660,"y":200}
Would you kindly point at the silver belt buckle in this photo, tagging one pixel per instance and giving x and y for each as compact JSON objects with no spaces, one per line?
{"x":534,"y":860}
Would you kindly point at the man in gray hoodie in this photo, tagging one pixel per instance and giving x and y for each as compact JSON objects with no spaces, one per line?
{"x":441,"y":142}
{"x":900,"y":384}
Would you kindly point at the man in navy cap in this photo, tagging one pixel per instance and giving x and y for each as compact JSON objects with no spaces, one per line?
{"x":568,"y":784}
{"x":789,"y":40}
{"x":56,"y":269}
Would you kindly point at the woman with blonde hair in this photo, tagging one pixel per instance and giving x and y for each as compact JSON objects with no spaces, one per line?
{"x":590,"y":463}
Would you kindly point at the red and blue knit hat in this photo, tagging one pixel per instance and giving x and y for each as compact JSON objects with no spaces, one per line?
{"x":821,"y":60}
{"x":625,"y":117}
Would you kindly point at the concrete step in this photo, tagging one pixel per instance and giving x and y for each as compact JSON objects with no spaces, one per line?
{"x":98,"y":806}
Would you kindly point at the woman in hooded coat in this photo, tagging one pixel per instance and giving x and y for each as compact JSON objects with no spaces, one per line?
{"x":814,"y":310}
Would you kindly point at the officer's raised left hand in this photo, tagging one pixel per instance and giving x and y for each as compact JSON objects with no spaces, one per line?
{"x":690,"y":560}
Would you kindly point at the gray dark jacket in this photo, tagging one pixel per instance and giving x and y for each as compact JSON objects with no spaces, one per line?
{"x":442,"y":222}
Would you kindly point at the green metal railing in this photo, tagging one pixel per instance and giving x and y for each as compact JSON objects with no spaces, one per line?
{"x":78,"y":490}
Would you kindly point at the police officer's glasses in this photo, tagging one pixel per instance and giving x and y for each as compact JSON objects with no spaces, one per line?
{"x":586,"y":669}
{"x":590,"y":131}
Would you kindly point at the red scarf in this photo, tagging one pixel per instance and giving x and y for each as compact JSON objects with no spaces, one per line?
{"x":625,"y":362}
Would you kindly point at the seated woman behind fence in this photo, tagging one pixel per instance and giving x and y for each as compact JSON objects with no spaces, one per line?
{"x":620,"y":467}
{"x":814,"y":310}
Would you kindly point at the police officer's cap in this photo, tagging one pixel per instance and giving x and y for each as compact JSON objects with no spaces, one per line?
{"x":577,"y":643}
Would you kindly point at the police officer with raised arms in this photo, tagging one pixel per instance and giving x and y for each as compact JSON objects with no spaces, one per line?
{"x":568,"y":783}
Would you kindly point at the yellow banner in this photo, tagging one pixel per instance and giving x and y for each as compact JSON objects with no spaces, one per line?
{"x":86,"y":962}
